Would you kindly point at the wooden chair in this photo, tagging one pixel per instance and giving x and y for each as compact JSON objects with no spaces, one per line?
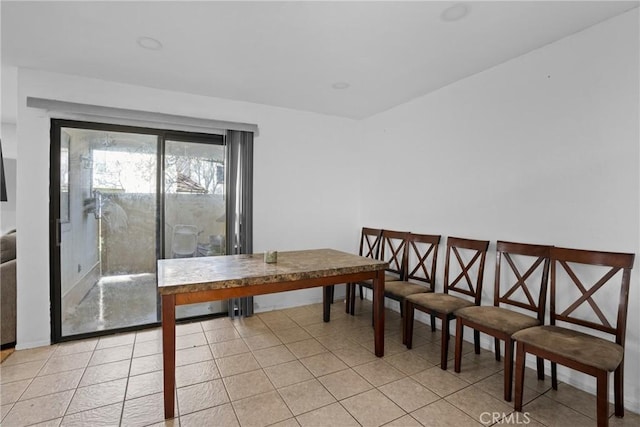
{"x":392,"y":250}
{"x":444,"y":305}
{"x":574,"y":349}
{"x":520,"y":292}
{"x":370,"y":239}
{"x":420,"y":259}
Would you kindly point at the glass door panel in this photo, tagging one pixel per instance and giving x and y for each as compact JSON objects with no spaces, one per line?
{"x":194,"y":207}
{"x":108,"y":230}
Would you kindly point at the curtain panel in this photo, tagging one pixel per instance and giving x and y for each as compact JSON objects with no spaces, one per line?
{"x":239,"y":188}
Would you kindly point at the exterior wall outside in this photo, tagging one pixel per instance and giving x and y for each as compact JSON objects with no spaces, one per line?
{"x":80,"y":234}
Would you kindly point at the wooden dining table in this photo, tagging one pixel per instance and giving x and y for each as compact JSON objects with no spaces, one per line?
{"x":201,"y":279}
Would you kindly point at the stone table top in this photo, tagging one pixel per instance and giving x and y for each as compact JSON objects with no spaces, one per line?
{"x":180,"y":275}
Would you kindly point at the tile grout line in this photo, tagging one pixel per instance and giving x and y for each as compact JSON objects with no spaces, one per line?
{"x":316,"y":331}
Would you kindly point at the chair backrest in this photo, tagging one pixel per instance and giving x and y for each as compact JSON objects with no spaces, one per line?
{"x":421,"y":259}
{"x":184,"y":241}
{"x":466,"y":252}
{"x":393,"y":250}
{"x":370,"y":242}
{"x":520,"y":291}
{"x":570,"y":263}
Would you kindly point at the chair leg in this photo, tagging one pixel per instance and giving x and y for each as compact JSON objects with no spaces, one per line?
{"x":332,"y":289}
{"x":403,"y":304}
{"x":352,"y":299}
{"x":457,"y":363}
{"x":444,"y":342}
{"x":520,"y":356}
{"x":361,"y":293}
{"x":618,"y":386}
{"x":496,"y":346}
{"x":476,"y":341}
{"x":433,"y":323}
{"x":408,"y":325}
{"x":554,"y":376}
{"x":347,"y":305}
{"x":508,"y":368}
{"x":602,"y":398}
{"x":540,"y":366}
{"x":401,"y":308}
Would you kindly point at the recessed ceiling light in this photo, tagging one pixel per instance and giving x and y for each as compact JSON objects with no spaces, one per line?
{"x":455,"y":12}
{"x":340,"y":85}
{"x":149,"y":43}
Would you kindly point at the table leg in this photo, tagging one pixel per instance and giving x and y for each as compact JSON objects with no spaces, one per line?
{"x":169,"y":352}
{"x":326,"y":303}
{"x":378,"y":313}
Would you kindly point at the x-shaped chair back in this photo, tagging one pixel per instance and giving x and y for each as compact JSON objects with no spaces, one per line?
{"x":370,"y":242}
{"x":520,"y":269}
{"x":421,"y":259}
{"x":393,"y":250}
{"x":614,"y":265}
{"x":469,"y":256}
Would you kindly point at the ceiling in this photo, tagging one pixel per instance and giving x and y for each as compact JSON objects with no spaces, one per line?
{"x":288,"y":54}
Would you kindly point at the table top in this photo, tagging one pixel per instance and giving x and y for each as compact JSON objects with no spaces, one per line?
{"x":179,"y":275}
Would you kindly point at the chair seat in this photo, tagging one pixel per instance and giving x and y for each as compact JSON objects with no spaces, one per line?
{"x":574,"y":345}
{"x":497,"y":318}
{"x":442,"y":303}
{"x":387,"y":278}
{"x":403,"y":289}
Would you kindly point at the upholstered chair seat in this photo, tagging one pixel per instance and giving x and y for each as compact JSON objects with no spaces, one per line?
{"x":574,"y":345}
{"x":497,"y":318}
{"x":402,"y":289}
{"x":442,"y":303}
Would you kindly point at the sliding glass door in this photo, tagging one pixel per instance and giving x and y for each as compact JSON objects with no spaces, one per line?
{"x":194,"y":206}
{"x":107,"y":229}
{"x":123,"y":198}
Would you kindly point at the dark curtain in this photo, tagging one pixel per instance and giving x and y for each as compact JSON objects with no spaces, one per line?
{"x":3,"y":184}
{"x":239,"y":188}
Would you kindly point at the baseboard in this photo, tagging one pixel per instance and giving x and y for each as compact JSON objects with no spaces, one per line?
{"x":295,"y":298}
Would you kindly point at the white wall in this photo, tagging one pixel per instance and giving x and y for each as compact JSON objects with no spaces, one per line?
{"x":8,"y":89}
{"x":305,"y":191}
{"x":9,"y":154}
{"x":541,"y":149}
{"x":303,"y":182}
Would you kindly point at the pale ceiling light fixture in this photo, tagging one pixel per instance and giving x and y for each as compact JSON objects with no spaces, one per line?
{"x":455,"y":12}
{"x":340,"y":85}
{"x":149,"y":43}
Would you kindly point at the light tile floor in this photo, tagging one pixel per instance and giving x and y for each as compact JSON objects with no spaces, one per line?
{"x":282,"y":368}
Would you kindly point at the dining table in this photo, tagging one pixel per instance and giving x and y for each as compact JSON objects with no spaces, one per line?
{"x":214,"y":278}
